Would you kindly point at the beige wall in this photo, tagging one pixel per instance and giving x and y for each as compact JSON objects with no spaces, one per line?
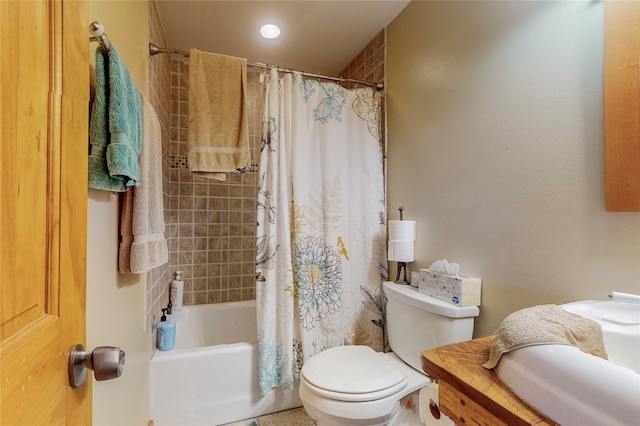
{"x":495,"y":147}
{"x":115,"y":302}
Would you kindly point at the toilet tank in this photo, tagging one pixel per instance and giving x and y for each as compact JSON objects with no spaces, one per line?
{"x":417,"y":322}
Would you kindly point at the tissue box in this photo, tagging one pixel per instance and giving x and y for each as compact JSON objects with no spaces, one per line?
{"x":460,"y":291}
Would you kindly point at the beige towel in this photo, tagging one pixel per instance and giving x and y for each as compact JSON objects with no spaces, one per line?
{"x":546,"y":324}
{"x":218,"y":136}
{"x":143,"y":245}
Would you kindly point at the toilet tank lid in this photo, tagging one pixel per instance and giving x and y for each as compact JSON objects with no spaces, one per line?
{"x":412,"y":297}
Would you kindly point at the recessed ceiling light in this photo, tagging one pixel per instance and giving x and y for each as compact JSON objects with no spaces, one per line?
{"x":270,"y":31}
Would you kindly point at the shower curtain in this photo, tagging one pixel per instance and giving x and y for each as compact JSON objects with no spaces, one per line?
{"x":321,"y":253}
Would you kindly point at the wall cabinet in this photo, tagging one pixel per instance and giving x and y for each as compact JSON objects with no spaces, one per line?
{"x":622,"y":105}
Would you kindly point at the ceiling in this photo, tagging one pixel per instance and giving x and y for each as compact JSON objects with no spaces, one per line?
{"x":316,"y":36}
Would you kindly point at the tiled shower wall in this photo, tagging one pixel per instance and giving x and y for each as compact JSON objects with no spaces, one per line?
{"x":159,"y":90}
{"x":213,"y":242}
{"x":211,"y":225}
{"x":368,"y":65}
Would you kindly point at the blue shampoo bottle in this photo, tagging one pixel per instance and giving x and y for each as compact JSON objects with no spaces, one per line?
{"x":166,"y":333}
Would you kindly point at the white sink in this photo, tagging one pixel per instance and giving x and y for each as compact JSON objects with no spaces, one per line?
{"x":575,"y":388}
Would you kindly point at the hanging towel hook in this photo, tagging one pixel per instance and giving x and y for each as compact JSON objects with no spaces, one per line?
{"x":96,"y":29}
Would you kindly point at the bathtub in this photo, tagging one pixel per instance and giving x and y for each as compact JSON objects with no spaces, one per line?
{"x":211,"y":376}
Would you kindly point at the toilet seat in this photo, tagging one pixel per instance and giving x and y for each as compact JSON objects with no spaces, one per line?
{"x":352,"y":374}
{"x":358,"y":397}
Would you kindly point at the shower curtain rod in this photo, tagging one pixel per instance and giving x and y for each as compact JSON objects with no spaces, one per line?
{"x":154,"y":50}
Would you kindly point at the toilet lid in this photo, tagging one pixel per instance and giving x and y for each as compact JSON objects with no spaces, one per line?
{"x":355,"y":370}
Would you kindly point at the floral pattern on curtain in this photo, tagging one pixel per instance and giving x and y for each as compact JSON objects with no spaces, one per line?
{"x":321,"y":253}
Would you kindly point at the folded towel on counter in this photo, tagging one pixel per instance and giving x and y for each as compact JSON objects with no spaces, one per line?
{"x":115,"y":127}
{"x":143,"y":245}
{"x":218,"y":139}
{"x":546,"y":324}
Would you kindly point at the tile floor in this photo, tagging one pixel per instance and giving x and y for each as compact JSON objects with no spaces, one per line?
{"x":294,"y":417}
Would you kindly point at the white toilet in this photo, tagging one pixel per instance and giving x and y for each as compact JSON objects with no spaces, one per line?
{"x":354,"y":385}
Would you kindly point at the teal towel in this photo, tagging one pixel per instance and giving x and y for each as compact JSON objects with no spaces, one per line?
{"x":99,"y":131}
{"x":115,"y":126}
{"x":125,"y":122}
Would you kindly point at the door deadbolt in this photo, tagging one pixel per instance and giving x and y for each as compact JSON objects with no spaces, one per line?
{"x":107,"y":362}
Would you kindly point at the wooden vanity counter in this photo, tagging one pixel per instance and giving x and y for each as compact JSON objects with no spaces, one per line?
{"x":472,"y":395}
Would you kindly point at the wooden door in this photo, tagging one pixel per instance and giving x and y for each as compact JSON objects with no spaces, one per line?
{"x":44,"y":76}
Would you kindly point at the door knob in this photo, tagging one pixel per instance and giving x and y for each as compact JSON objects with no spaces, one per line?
{"x":107,"y":362}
